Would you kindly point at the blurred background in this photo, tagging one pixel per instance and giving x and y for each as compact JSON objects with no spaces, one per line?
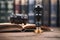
{"x":51,"y":14}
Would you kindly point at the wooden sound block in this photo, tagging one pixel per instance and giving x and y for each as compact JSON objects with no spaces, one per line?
{"x":38,"y":31}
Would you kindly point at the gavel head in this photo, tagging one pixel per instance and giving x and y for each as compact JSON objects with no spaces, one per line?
{"x":38,"y":5}
{"x":38,"y":8}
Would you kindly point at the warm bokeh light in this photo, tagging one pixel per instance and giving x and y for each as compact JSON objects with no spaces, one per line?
{"x":17,"y":2}
{"x":53,"y":1}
